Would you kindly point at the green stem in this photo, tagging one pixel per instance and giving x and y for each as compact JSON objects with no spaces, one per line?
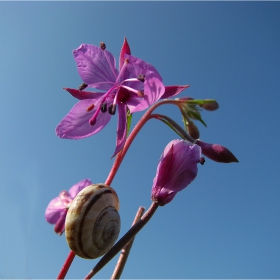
{"x":173,"y":125}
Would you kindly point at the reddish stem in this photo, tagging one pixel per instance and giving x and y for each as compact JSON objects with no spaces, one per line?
{"x":120,"y":156}
{"x":132,"y":135}
{"x":66,"y":265}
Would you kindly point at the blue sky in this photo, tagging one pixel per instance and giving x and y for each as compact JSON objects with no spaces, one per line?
{"x":226,"y":224}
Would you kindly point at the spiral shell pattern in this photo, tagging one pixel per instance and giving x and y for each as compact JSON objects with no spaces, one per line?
{"x":93,"y":223}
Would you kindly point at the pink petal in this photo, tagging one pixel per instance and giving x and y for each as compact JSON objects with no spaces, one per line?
{"x":78,"y":187}
{"x":76,"y":125}
{"x":164,"y":167}
{"x":176,"y":170}
{"x":81,"y":94}
{"x":138,"y":66}
{"x":54,"y":210}
{"x":96,"y":67}
{"x":173,"y":90}
{"x":153,"y":91}
{"x":124,"y":50}
{"x":184,"y":169}
{"x":60,"y":224}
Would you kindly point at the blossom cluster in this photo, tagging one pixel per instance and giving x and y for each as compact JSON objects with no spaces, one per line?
{"x":135,"y":86}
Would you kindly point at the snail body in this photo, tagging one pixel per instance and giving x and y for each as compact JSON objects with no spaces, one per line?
{"x":93,"y":223}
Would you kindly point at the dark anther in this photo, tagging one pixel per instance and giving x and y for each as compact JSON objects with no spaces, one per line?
{"x":103,"y":107}
{"x":102,"y":46}
{"x":202,"y":160}
{"x":83,"y":86}
{"x":141,"y":77}
{"x":112,"y":109}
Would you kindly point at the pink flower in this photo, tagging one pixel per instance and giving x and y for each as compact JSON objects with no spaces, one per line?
{"x":135,"y":87}
{"x":58,"y":207}
{"x":177,"y":168}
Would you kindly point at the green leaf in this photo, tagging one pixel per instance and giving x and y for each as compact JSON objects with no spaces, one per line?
{"x":196,"y":116}
{"x":128,"y":122}
{"x":172,"y":127}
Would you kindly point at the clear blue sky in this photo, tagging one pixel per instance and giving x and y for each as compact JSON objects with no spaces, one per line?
{"x":226,"y":224}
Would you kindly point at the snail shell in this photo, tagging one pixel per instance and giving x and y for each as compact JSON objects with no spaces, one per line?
{"x":93,"y":223}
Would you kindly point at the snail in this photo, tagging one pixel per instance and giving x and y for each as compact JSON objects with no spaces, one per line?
{"x":93,"y":223}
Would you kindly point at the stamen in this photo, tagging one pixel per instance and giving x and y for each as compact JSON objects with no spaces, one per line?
{"x":90,"y":107}
{"x":141,"y":77}
{"x":126,"y":60}
{"x":103,"y":107}
{"x":112,"y":109}
{"x":202,"y":160}
{"x":102,"y":46}
{"x":83,"y":86}
{"x":92,"y":121}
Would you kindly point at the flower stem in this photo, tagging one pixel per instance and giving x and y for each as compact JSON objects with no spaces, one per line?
{"x":175,"y":126}
{"x":124,"y":240}
{"x":126,"y":249}
{"x":66,"y":265}
{"x":133,"y":134}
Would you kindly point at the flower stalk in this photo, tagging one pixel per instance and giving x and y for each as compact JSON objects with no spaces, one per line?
{"x":124,"y":240}
{"x":126,"y":249}
{"x":66,"y":265}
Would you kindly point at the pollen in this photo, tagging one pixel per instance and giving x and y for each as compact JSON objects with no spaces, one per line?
{"x":140,"y":93}
{"x":141,"y":77}
{"x":90,"y":107}
{"x":126,"y":60}
{"x":103,"y":107}
{"x":102,"y":46}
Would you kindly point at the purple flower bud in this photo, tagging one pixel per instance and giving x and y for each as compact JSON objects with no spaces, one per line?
{"x":177,"y":168}
{"x":210,"y":106}
{"x":216,"y":152}
{"x":58,"y":207}
{"x":192,"y":130}
{"x":124,"y":50}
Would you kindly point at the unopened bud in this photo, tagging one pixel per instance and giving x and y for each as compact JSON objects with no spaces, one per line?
{"x":216,"y":152}
{"x":177,"y":168}
{"x":210,"y":106}
{"x":192,"y":130}
{"x":194,"y":114}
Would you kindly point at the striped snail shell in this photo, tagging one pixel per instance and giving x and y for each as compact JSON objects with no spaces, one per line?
{"x":93,"y":223}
